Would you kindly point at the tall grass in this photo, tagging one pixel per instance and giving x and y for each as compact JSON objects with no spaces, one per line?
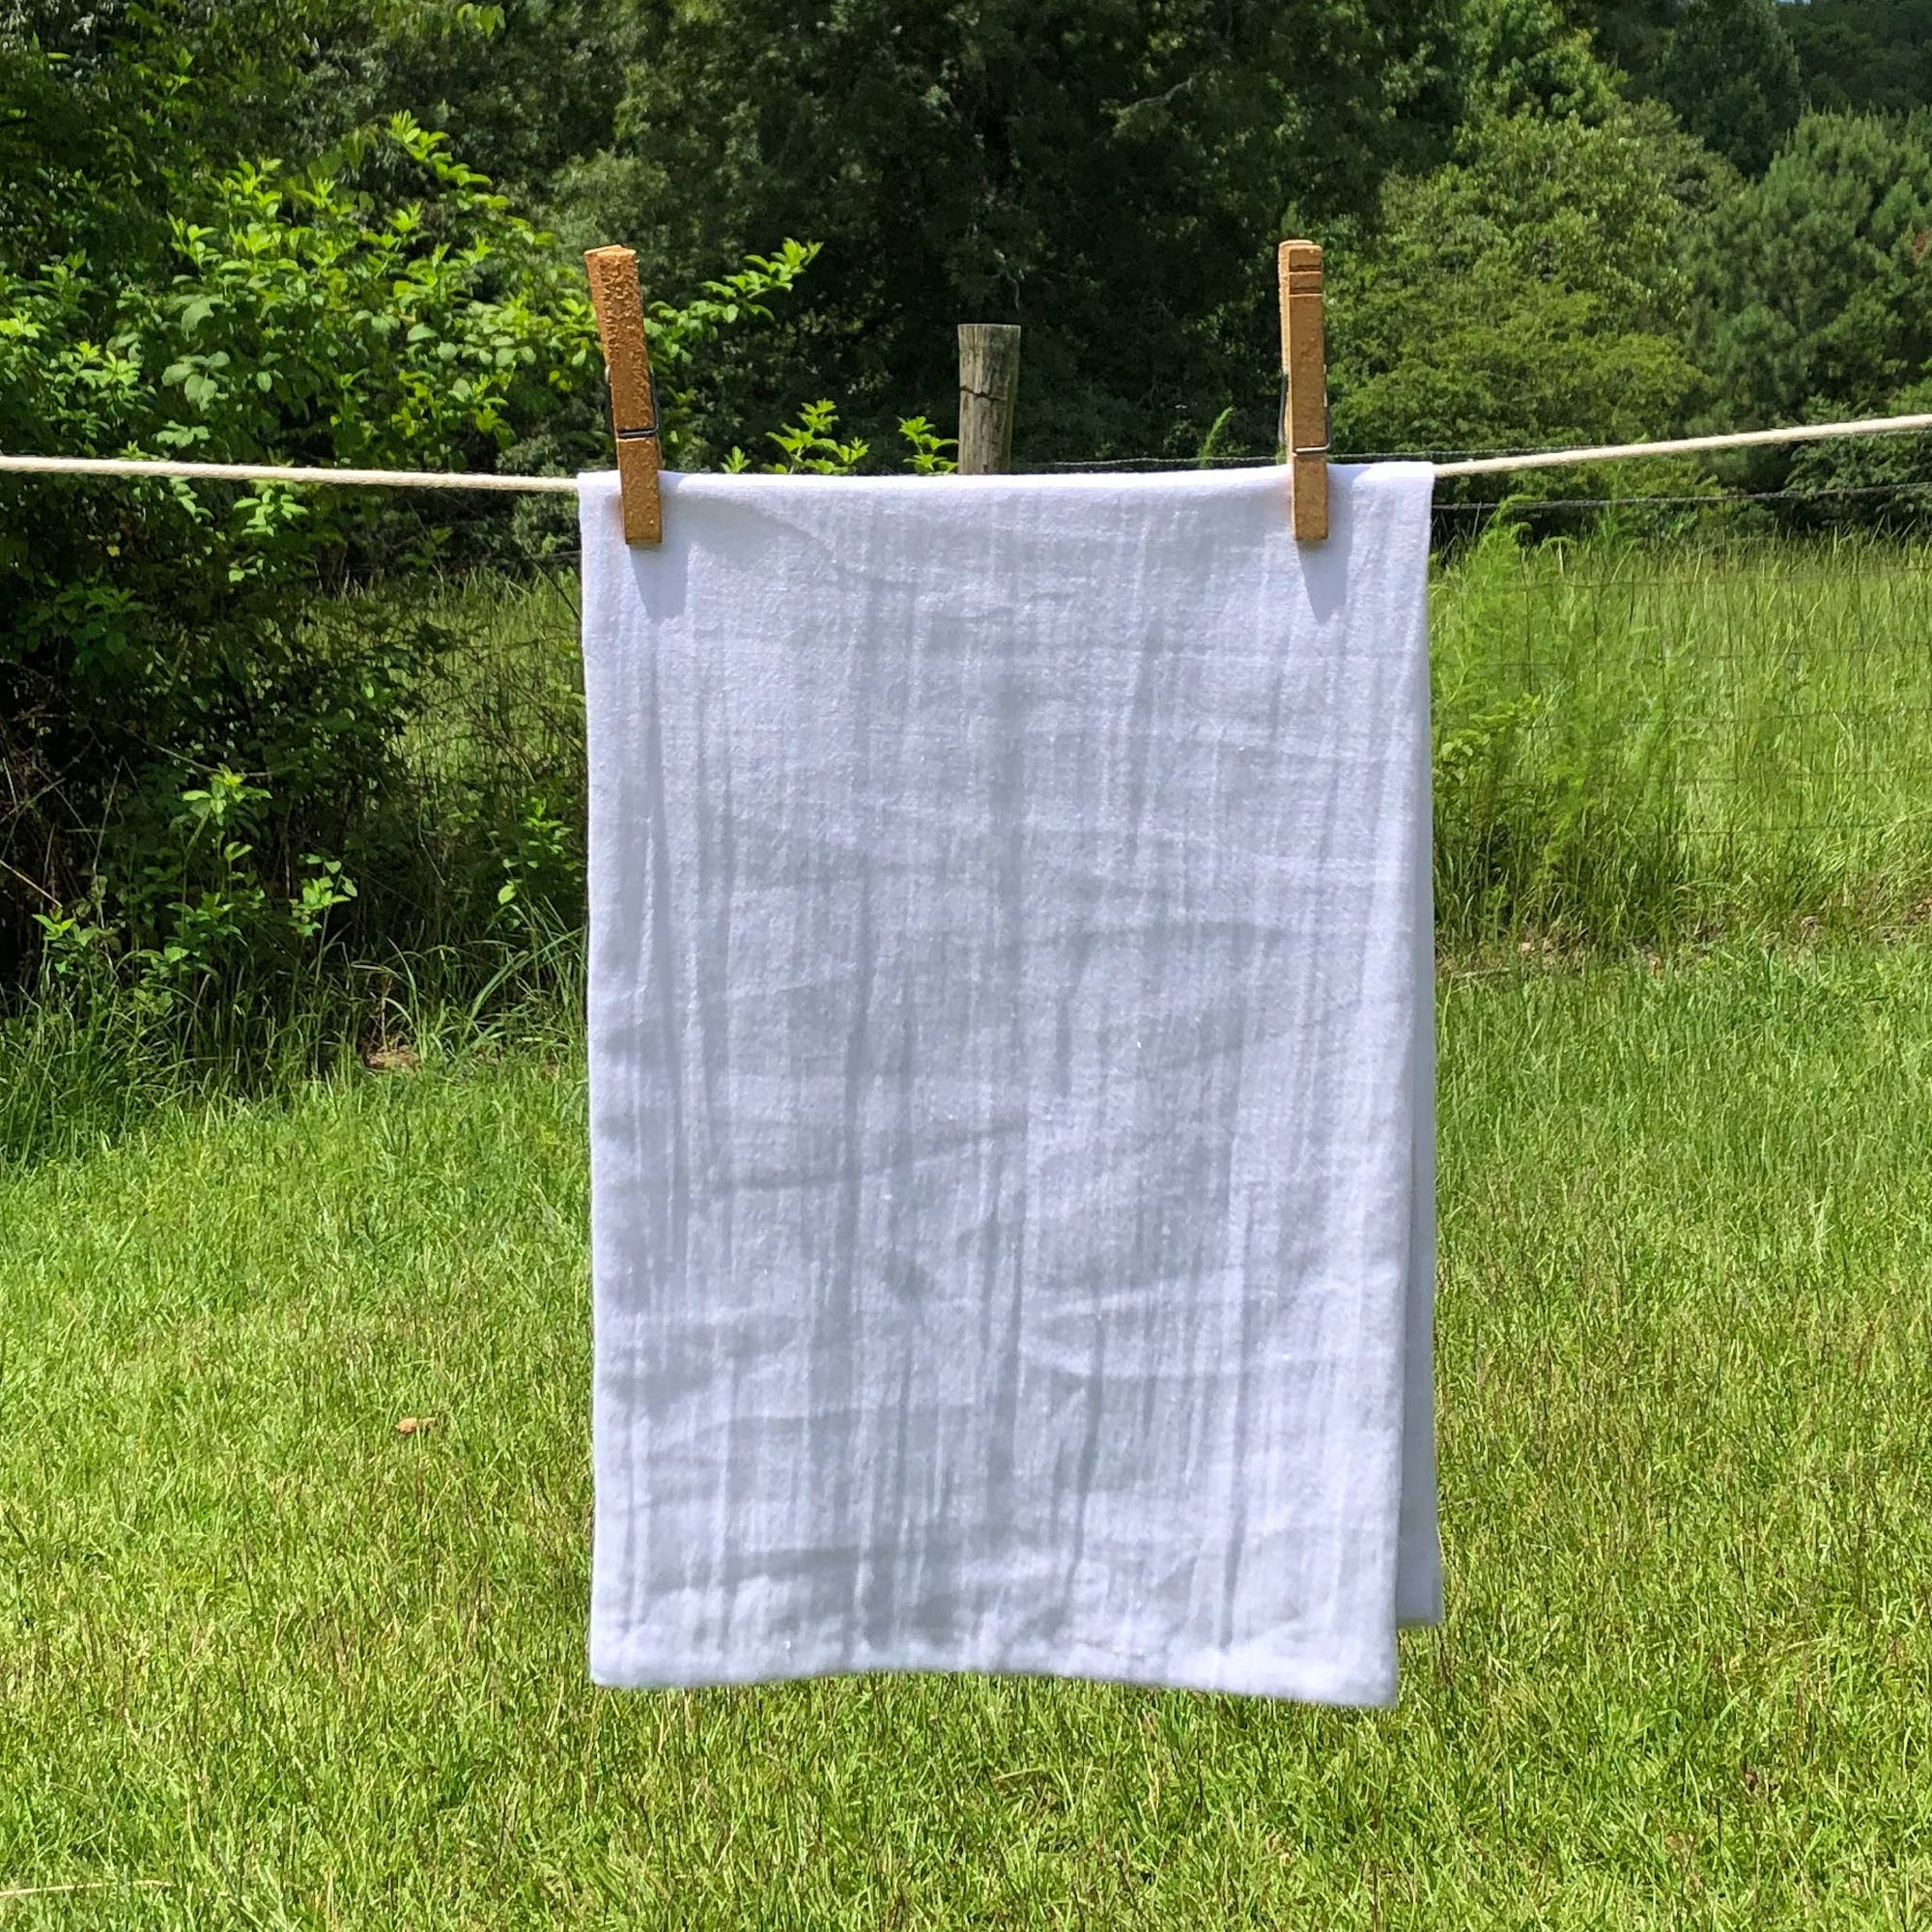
{"x":81,"y":1070}
{"x":1637,"y":743}
{"x":1638,"y":740}
{"x":506,"y":717}
{"x":492,"y":798}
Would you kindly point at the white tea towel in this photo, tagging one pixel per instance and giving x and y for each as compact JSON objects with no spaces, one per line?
{"x":1010,"y":1080}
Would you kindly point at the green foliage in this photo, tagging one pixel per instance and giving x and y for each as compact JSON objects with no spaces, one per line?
{"x":1875,"y":484}
{"x":159,"y":678}
{"x":543,"y":870}
{"x":1557,"y":814}
{"x":1519,"y":255}
{"x":1863,"y":56}
{"x":106,"y":108}
{"x":1815,"y":284}
{"x":1111,"y":173}
{"x":691,"y":347}
{"x":1528,"y":57}
{"x":809,"y":446}
{"x":1628,"y":35}
{"x":925,"y":448}
{"x":522,"y":89}
{"x":1853,"y":56}
{"x":1529,"y":293}
{"x":165,"y":657}
{"x":1738,"y":71}
{"x":1637,"y":743}
{"x":1730,"y":72}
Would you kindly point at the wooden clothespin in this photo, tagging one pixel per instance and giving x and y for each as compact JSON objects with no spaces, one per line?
{"x":1304,"y":400}
{"x":621,"y":323}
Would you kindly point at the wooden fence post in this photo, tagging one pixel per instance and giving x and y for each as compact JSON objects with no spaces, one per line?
{"x":990,"y":384}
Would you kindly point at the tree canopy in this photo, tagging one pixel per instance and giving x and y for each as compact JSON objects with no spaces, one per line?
{"x":1533,"y":330}
{"x":1111,"y":173}
{"x":1816,"y":282}
{"x":1863,"y":56}
{"x":1730,"y":72}
{"x":347,"y":231}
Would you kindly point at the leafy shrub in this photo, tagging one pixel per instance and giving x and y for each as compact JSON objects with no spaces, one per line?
{"x":200,"y":749}
{"x":811,"y":448}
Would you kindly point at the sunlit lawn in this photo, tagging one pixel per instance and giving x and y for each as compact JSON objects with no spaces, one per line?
{"x":266,"y":1663}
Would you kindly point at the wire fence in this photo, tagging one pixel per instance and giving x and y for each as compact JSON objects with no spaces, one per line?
{"x":1677,"y":733}
{"x":1647,"y":736}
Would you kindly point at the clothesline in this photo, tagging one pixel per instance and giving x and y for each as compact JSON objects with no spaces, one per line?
{"x":1684,"y":445}
{"x":566,"y":486}
{"x":284,"y":473}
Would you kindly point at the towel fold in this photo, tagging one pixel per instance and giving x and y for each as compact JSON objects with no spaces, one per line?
{"x":1011,"y":1080}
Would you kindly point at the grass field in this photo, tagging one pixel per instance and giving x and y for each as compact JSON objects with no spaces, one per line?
{"x":1636,"y":742}
{"x":1640,"y":742}
{"x":266,"y":1663}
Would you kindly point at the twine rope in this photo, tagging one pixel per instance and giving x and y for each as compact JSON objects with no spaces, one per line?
{"x":318,"y":475}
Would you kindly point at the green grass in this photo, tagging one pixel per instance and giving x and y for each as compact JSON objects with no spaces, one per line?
{"x":265,"y":1662}
{"x":1638,"y":742}
{"x":508,"y":707}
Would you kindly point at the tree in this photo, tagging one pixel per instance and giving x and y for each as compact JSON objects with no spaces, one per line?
{"x":1113,"y":174}
{"x":107,"y":106}
{"x":1530,"y":292}
{"x":1863,"y":56}
{"x":525,"y":88}
{"x":1527,"y":56}
{"x":1730,"y":72}
{"x":110,"y":108}
{"x":197,"y":741}
{"x":1816,"y":285}
{"x":1630,"y":35}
